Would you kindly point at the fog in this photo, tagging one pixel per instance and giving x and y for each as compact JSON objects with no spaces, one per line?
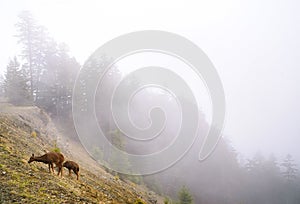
{"x":254,"y":46}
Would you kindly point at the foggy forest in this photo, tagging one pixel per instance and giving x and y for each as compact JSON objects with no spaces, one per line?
{"x":43,"y":74}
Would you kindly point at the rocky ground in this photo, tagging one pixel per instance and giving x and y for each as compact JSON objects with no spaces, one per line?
{"x":27,"y":130}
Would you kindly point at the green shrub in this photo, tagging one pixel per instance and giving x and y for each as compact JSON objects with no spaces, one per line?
{"x":167,"y":200}
{"x":33,"y":134}
{"x":55,"y":147}
{"x":184,"y":196}
{"x":139,"y":201}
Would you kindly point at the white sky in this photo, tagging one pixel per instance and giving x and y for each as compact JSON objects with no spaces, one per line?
{"x":254,"y":46}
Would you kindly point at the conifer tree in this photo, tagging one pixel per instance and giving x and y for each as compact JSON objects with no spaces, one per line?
{"x":184,"y":196}
{"x":27,"y":34}
{"x":15,"y":84}
{"x":2,"y":90}
{"x":290,"y":170}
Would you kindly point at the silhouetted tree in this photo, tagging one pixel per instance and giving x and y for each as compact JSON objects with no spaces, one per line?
{"x":28,"y":29}
{"x":90,"y":74}
{"x":56,"y":82}
{"x":51,"y":71}
{"x":15,"y":84}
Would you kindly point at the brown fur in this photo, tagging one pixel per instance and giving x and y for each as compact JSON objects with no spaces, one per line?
{"x":50,"y":158}
{"x":71,"y":165}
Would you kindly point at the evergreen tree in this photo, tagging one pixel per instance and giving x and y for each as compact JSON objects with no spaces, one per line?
{"x":27,"y":29}
{"x":184,"y":196}
{"x":117,"y":161}
{"x":16,"y":88}
{"x":67,"y":69}
{"x":290,"y":170}
{"x":51,"y":71}
{"x":89,"y":77}
{"x":56,"y":82}
{"x":2,"y":89}
{"x":250,"y":164}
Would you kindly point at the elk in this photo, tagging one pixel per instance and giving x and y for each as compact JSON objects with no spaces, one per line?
{"x":71,"y":165}
{"x":50,"y":158}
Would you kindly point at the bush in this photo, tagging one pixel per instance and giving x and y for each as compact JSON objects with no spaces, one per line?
{"x":139,"y":201}
{"x":55,"y":147}
{"x":33,"y":134}
{"x":167,"y":200}
{"x":184,"y":196}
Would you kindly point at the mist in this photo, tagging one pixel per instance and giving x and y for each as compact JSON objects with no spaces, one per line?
{"x":253,"y":47}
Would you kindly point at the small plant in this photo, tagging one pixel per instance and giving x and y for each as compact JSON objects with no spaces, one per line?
{"x":116,"y":177}
{"x":55,"y":147}
{"x":33,"y":134}
{"x":167,"y":200}
{"x":139,"y":201}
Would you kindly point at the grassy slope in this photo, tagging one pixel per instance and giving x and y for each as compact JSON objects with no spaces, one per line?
{"x":24,"y":183}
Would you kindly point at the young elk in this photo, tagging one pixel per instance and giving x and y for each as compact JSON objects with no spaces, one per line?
{"x":50,"y":158}
{"x":72,"y":166}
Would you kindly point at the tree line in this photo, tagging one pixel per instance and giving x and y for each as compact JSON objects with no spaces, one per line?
{"x":223,"y":178}
{"x":43,"y":74}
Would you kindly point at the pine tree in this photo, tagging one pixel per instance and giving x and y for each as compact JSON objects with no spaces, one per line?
{"x":66,"y":73}
{"x":290,"y":171}
{"x":27,"y":34}
{"x":184,"y":196}
{"x":16,"y":88}
{"x":117,"y":161}
{"x":2,"y":89}
{"x":89,"y":76}
{"x":250,"y":165}
{"x":55,"y":86}
{"x":51,"y":71}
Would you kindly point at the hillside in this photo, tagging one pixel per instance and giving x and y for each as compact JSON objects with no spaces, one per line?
{"x":27,"y":130}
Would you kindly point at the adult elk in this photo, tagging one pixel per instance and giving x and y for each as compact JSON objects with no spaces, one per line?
{"x":50,"y":158}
